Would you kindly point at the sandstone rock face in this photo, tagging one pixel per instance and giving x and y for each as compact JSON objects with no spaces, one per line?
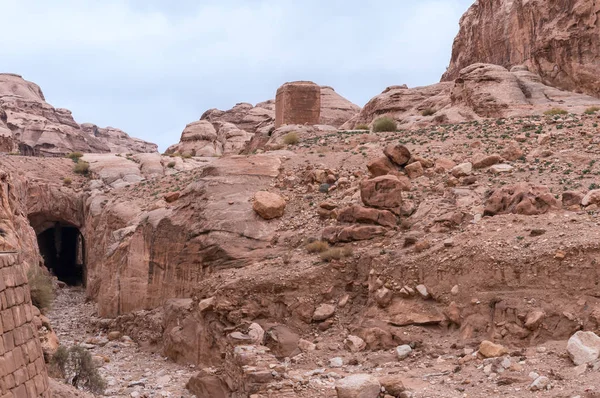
{"x":554,"y":39}
{"x":117,"y":140}
{"x":31,"y":126}
{"x":244,"y":116}
{"x":335,"y":109}
{"x":478,"y":91}
{"x":259,"y":122}
{"x":521,"y":198}
{"x":203,"y":138}
{"x":298,"y":103}
{"x":22,"y":365}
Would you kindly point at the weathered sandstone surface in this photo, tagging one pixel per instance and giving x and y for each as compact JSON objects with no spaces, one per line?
{"x":31,"y":126}
{"x":245,"y":127}
{"x":479,"y":91}
{"x":557,"y":40}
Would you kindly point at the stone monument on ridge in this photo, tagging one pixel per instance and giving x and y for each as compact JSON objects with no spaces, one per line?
{"x":298,"y":103}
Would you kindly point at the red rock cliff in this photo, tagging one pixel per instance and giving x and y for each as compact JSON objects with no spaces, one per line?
{"x":557,"y":39}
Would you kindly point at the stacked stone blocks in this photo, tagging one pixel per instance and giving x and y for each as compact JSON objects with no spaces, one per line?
{"x":298,"y":103}
{"x":22,"y":367}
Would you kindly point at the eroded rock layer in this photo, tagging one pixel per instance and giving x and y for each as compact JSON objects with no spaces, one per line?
{"x":555,"y":39}
{"x":31,"y":126}
{"x":479,"y":91}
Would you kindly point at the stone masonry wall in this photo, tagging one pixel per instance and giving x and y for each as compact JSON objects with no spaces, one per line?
{"x":298,"y":103}
{"x":22,"y":367}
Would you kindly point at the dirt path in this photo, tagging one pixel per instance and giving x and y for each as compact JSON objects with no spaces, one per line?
{"x":128,"y":370}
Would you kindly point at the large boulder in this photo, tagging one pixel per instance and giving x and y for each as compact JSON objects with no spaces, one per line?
{"x":398,"y":154}
{"x":365,"y":215}
{"x":358,"y":386}
{"x":584,"y":347}
{"x":521,"y":198}
{"x":268,"y":205}
{"x":383,"y":192}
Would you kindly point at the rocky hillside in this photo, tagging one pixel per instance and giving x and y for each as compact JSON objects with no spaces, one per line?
{"x":230,"y":132}
{"x":393,"y":255}
{"x":31,"y":126}
{"x":479,"y":91}
{"x":555,"y":39}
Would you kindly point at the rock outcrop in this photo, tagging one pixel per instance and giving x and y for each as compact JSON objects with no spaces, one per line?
{"x":31,"y":126}
{"x":244,"y":116}
{"x":335,"y":109}
{"x":479,"y":91}
{"x":298,"y":103}
{"x":558,"y":40}
{"x":203,"y":138}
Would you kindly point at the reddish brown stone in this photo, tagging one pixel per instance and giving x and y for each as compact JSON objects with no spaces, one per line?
{"x":383,"y":192}
{"x":298,"y":103}
{"x":365,"y":215}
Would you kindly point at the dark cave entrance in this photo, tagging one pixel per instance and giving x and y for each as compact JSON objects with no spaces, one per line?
{"x":62,"y":247}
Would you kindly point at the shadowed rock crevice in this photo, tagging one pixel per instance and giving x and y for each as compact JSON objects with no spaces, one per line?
{"x":62,"y":248}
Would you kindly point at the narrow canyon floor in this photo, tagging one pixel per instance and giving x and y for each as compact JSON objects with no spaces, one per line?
{"x":437,"y":367}
{"x":128,"y":370}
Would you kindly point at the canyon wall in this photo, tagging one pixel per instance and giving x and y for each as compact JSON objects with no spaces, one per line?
{"x":556,"y":39}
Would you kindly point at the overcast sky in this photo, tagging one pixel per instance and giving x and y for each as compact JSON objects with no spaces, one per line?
{"x":150,"y":67}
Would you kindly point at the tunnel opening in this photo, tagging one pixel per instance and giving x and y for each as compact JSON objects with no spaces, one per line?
{"x":62,"y":248}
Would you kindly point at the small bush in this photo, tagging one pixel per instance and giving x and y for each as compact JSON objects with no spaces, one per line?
{"x":428,"y":112}
{"x":186,"y":156}
{"x":318,"y":246}
{"x":336,"y":253}
{"x":75,"y":365}
{"x":75,"y":156}
{"x":291,"y":138}
{"x":555,"y":112}
{"x":67,"y":181}
{"x":171,"y":165}
{"x":384,"y":124}
{"x":362,"y":127}
{"x":40,"y":285}
{"x":82,"y":167}
{"x":591,"y":110}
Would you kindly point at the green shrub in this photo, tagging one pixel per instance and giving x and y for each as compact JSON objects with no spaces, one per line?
{"x":555,"y":112}
{"x":75,"y":156}
{"x":428,"y":112}
{"x":591,"y":110}
{"x":75,"y":365}
{"x":336,"y":253}
{"x":384,"y":124}
{"x":318,"y":246}
{"x":171,"y":165}
{"x":82,"y":167}
{"x":67,"y":181}
{"x":291,"y":138}
{"x":362,"y":127}
{"x":40,"y":285}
